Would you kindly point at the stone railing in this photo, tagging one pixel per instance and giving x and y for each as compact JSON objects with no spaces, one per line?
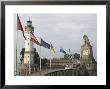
{"x":72,"y":72}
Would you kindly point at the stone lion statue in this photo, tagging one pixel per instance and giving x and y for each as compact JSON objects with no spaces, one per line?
{"x":86,"y":40}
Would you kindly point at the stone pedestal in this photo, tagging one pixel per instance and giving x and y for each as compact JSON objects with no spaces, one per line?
{"x":24,"y":69}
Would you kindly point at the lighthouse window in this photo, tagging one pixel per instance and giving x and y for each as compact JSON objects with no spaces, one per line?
{"x":28,"y":56}
{"x":28,"y":43}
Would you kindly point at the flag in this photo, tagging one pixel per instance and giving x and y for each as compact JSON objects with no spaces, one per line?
{"x":51,"y":48}
{"x":19,"y":26}
{"x":62,"y":50}
{"x":34,"y":39}
{"x":45,"y":44}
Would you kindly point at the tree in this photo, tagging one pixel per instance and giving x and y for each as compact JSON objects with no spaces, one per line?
{"x":22,"y":55}
{"x":37,"y":60}
{"x":76,"y":56}
{"x":66,"y":56}
{"x":36,"y":57}
{"x":44,"y":62}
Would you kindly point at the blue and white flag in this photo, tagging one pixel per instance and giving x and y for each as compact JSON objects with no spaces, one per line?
{"x":45,"y":44}
{"x":62,"y":50}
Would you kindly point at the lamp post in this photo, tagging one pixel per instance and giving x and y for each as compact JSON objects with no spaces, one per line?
{"x":69,"y":58}
{"x":29,"y":68}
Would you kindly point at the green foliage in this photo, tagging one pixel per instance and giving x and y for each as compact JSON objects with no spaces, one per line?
{"x":21,"y":59}
{"x":76,"y":56}
{"x":66,"y":56}
{"x":71,"y":56}
{"x":22,"y":55}
{"x":22,"y":52}
{"x":36,"y":57}
{"x":44,"y":62}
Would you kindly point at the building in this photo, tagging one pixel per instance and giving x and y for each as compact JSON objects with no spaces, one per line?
{"x":87,"y":58}
{"x":28,"y":55}
{"x":86,"y":51}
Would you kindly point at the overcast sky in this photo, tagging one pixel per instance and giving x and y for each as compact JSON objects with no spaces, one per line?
{"x":62,"y":30}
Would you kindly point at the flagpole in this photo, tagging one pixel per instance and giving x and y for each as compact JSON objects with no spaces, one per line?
{"x":50,"y":57}
{"x":16,"y":53}
{"x":69,"y":58}
{"x":29,"y":68}
{"x":40,"y":58}
{"x":51,"y":49}
{"x":50,"y":64}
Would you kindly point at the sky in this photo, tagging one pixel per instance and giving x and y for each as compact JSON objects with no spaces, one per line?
{"x":62,"y":30}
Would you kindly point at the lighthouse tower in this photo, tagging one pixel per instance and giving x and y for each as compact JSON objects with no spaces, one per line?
{"x":29,"y":50}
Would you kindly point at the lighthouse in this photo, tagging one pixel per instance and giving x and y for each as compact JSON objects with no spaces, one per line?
{"x":29,"y":50}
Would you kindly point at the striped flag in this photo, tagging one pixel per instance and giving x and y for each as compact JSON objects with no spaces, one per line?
{"x":34,"y":39}
{"x":19,"y":25}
